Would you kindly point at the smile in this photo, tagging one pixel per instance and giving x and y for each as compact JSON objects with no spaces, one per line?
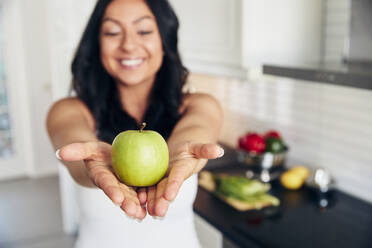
{"x":131,"y":63}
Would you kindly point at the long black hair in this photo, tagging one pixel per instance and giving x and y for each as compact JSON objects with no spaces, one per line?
{"x":98,"y":90}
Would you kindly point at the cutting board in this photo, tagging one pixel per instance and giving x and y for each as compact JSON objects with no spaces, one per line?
{"x":206,"y":181}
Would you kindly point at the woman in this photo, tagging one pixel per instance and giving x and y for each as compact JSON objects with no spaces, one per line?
{"x":127,"y":70}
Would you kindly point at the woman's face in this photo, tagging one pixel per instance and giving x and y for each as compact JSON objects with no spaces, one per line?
{"x":130,"y":42}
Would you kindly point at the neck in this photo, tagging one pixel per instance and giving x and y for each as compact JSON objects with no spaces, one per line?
{"x":135,"y":98}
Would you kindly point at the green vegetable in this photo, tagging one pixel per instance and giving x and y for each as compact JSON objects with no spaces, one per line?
{"x":244,"y":189}
{"x":240,"y":187}
{"x":274,"y":145}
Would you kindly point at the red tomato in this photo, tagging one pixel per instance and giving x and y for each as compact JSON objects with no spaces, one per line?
{"x":241,"y":142}
{"x":252,"y":142}
{"x":272,"y":134}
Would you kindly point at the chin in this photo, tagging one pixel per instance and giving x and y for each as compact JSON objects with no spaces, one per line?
{"x":131,"y":81}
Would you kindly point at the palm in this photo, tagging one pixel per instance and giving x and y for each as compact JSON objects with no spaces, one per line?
{"x":97,"y":159}
{"x":186,"y":160}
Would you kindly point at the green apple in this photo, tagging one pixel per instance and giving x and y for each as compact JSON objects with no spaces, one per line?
{"x":139,"y":157}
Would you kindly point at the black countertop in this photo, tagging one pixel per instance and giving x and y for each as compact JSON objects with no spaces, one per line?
{"x":351,"y":74}
{"x":297,"y":222}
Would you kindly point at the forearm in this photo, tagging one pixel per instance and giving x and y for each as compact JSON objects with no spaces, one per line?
{"x":197,"y":127}
{"x":193,"y":133}
{"x":67,"y":133}
{"x":201,"y":120}
{"x":78,"y":172}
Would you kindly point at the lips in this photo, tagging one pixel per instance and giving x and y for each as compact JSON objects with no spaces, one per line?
{"x":131,"y":63}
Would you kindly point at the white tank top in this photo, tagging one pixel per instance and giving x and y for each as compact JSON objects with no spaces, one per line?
{"x":102,"y":224}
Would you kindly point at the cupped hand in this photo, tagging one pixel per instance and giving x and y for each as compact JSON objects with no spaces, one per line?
{"x":97,"y":160}
{"x":186,"y":159}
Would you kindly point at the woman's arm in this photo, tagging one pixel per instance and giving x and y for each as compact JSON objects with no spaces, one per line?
{"x":191,"y":144}
{"x":88,"y":160}
{"x":67,"y":123}
{"x":201,"y":123}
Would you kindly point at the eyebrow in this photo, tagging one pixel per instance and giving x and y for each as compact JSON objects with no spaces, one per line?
{"x":134,"y":22}
{"x":142,"y":18}
{"x":111,"y":20}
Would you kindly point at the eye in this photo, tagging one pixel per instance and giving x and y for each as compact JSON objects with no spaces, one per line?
{"x":111,"y":33}
{"x":143,"y":33}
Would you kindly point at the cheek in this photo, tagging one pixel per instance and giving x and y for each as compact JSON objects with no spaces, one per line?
{"x":156,"y":49}
{"x":106,"y":52}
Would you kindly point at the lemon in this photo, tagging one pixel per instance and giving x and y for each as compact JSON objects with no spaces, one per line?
{"x":301,"y":171}
{"x":291,"y":180}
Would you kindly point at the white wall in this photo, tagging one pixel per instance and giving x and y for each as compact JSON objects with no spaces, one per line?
{"x":38,"y":83}
{"x":324,"y":125}
{"x":47,"y":61}
{"x":66,"y":22}
{"x":285,"y":31}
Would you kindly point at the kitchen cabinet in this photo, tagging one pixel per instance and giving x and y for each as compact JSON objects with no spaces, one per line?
{"x":233,"y":38}
{"x":210,"y":36}
{"x":209,"y":236}
{"x":347,"y":30}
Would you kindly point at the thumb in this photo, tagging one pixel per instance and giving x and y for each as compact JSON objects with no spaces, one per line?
{"x":207,"y":151}
{"x":85,"y":150}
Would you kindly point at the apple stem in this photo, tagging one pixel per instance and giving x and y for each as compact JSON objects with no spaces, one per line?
{"x":142,"y":126}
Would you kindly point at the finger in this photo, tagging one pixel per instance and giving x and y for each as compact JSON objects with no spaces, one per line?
{"x":131,"y":204}
{"x":161,"y":207}
{"x":129,"y":207}
{"x":151,"y":192}
{"x":104,"y":179}
{"x":142,"y":195}
{"x":161,"y":204}
{"x":140,"y":209}
{"x":208,"y":151}
{"x":160,"y":187}
{"x":130,"y":192}
{"x":141,"y":212}
{"x":178,"y":174}
{"x":98,"y":151}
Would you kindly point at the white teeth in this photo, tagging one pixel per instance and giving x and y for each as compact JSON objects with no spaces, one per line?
{"x":131,"y":62}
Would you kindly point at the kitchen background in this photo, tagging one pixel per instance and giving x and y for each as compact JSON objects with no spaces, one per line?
{"x":224,"y":43}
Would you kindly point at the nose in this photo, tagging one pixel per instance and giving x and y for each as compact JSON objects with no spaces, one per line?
{"x":128,"y":42}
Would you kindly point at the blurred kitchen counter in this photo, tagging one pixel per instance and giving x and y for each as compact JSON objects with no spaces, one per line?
{"x":298,"y":222}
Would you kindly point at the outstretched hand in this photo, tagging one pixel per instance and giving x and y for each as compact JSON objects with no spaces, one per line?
{"x":97,"y":160}
{"x":188,"y":158}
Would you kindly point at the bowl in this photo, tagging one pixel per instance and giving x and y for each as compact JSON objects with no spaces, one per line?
{"x":264,"y":161}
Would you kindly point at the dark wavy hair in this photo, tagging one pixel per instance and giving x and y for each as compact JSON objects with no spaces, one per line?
{"x":98,"y":90}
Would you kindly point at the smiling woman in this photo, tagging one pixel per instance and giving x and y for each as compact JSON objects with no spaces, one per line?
{"x":137,"y":46}
{"x":127,"y":70}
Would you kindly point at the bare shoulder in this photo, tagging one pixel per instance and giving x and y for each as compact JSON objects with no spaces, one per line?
{"x":69,"y":102}
{"x":200,"y":101}
{"x":68,"y":108}
{"x":69,"y":105}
